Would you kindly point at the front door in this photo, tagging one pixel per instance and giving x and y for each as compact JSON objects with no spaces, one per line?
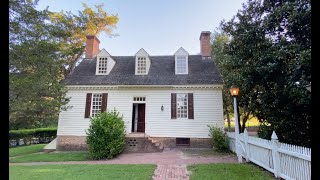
{"x":141,"y":117}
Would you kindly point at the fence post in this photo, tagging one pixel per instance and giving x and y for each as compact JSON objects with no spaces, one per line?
{"x":275,"y":154}
{"x":245,"y":138}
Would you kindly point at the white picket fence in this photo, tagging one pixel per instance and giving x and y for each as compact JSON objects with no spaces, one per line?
{"x":284,"y":160}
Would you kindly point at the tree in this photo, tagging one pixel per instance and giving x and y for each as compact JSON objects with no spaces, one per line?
{"x":71,"y":31}
{"x":44,"y":47}
{"x":270,"y":61}
{"x":223,"y":61}
{"x":35,"y":91}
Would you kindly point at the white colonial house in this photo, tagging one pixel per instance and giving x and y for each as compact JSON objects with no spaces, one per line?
{"x":170,"y":99}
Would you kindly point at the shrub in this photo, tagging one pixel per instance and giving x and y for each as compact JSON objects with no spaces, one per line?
{"x":265,"y":131}
{"x":44,"y":134}
{"x":219,"y":139}
{"x":106,"y":135}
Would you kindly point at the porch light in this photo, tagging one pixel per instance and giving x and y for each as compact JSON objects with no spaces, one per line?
{"x":161,"y":107}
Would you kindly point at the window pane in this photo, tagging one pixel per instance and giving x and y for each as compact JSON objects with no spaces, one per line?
{"x":141,"y":65}
{"x":102,"y":65}
{"x":182,"y":105}
{"x":96,"y":104}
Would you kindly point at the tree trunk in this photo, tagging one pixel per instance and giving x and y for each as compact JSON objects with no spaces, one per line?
{"x":244,"y":120}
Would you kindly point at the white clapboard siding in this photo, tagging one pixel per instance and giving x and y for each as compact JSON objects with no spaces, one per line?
{"x":207,"y":111}
{"x":284,"y":160}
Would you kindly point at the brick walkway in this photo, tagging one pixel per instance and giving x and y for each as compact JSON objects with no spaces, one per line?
{"x":171,"y":172}
{"x":171,"y":163}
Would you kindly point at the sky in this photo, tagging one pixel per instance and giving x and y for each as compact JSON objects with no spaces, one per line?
{"x":159,"y":27}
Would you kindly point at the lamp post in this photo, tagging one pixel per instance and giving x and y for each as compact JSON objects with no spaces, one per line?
{"x":234,"y":93}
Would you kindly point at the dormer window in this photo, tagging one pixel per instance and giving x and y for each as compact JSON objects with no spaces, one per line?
{"x":142,"y":65}
{"x":181,"y":61}
{"x":143,"y":62}
{"x":181,"y":66}
{"x":102,"y":65}
{"x":105,"y":63}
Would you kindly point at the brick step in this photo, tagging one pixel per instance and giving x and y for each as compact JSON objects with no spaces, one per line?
{"x":142,"y":144}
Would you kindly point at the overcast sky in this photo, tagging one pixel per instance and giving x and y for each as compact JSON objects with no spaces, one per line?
{"x":160,"y":27}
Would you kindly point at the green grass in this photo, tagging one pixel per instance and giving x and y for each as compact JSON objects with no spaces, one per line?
{"x":23,"y":150}
{"x":225,"y":171}
{"x":205,"y":152}
{"x":82,"y":172}
{"x":51,"y":157}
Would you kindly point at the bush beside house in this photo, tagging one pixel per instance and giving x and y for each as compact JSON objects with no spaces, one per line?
{"x":106,"y":135}
{"x":219,"y":139}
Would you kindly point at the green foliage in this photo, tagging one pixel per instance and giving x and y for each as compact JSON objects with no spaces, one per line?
{"x":269,"y":58}
{"x":265,"y":131}
{"x":106,"y":135}
{"x":44,"y":47}
{"x":35,"y":89}
{"x":71,"y":31}
{"x":219,"y":139}
{"x":27,"y":134}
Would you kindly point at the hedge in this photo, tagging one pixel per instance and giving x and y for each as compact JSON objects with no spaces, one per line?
{"x":43,"y":134}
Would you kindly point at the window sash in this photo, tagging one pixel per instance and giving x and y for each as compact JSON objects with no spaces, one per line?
{"x":142,"y":65}
{"x":181,"y":64}
{"x":182,"y":106}
{"x":102,"y":65}
{"x":96,"y":104}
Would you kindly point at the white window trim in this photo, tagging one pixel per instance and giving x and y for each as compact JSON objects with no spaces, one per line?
{"x":138,"y":101}
{"x":146,"y":59}
{"x":91,"y":108}
{"x":177,"y":107}
{"x":176,"y":69}
{"x":97,"y":65}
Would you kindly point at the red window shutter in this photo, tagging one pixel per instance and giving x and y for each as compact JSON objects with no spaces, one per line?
{"x":88,"y":105}
{"x":104,"y":102}
{"x":173,"y":106}
{"x":190,"y":106}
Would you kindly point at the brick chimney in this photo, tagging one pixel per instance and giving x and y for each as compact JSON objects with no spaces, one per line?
{"x":92,"y":46}
{"x":205,"y":46}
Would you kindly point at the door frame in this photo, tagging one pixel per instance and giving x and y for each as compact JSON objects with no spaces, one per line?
{"x":134,"y":106}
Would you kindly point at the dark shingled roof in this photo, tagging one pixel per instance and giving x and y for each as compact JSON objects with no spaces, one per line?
{"x":161,"y":72}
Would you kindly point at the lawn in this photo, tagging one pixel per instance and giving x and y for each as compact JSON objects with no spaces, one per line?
{"x":79,"y":172}
{"x":228,"y":171}
{"x":23,"y":150}
{"x":51,"y":157}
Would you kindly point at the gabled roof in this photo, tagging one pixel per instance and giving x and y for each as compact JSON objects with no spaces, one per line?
{"x":181,"y":51}
{"x":162,"y":72}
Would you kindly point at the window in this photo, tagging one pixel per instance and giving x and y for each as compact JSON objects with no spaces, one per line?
{"x":183,"y":141}
{"x":142,"y":65}
{"x":139,"y":99}
{"x":102,"y":66}
{"x":181,"y":66}
{"x":182,"y":105}
{"x":96,"y":104}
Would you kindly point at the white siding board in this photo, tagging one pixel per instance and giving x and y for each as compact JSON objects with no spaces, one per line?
{"x":207,"y":111}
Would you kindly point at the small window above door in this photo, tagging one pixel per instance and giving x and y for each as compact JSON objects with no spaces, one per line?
{"x":139,"y":99}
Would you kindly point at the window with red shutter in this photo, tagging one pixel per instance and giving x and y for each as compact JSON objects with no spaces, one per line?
{"x":173,"y":106}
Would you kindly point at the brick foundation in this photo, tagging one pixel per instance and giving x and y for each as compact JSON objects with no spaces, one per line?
{"x":78,"y":143}
{"x":71,"y":143}
{"x":170,"y":142}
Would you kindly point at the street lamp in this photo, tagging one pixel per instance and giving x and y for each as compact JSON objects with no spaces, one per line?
{"x":234,"y":93}
{"x":234,"y":90}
